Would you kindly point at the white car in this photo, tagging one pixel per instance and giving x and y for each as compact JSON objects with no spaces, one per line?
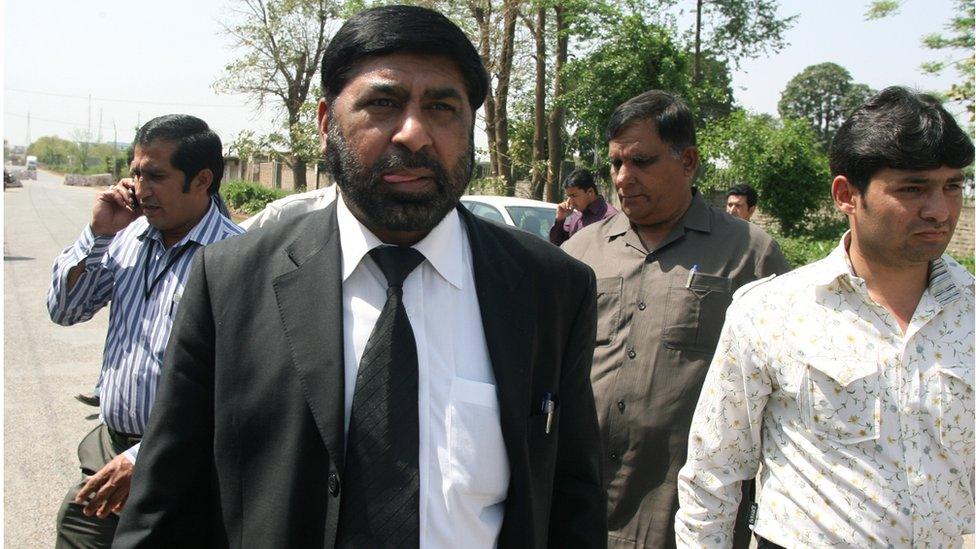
{"x":532,"y":216}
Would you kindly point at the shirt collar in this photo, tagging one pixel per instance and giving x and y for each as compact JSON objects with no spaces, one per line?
{"x":442,"y":247}
{"x":696,"y":218}
{"x":203,"y":233}
{"x":945,"y":281}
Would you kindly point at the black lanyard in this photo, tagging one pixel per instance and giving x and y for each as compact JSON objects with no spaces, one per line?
{"x":145,"y":270}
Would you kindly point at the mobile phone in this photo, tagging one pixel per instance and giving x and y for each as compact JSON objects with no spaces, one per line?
{"x":133,"y":201}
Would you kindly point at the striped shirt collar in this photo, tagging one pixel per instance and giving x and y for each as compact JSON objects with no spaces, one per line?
{"x":945,"y":279}
{"x":203,"y":233}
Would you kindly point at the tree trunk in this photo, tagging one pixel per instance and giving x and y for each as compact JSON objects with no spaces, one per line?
{"x":539,"y":125}
{"x":483,"y":20}
{"x":298,"y":172}
{"x":696,"y":77}
{"x":555,"y":130}
{"x":501,"y":95}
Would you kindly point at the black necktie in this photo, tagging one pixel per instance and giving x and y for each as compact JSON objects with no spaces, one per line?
{"x":380,"y":502}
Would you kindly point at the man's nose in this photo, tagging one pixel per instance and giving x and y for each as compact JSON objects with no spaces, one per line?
{"x":621,"y":177}
{"x":413,"y":132}
{"x":936,"y":207}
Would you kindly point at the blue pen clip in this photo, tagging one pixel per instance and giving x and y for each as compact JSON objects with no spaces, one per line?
{"x":691,"y":275}
{"x":548,"y":408}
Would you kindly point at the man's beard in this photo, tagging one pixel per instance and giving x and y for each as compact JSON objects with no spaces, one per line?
{"x":365,"y":189}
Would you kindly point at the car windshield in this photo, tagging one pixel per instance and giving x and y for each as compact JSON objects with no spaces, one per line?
{"x":533,"y":219}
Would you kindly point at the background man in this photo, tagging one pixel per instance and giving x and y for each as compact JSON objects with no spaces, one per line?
{"x":665,"y":272}
{"x":135,"y":254}
{"x":851,"y":379}
{"x":325,"y":389}
{"x":583,"y":206}
{"x":741,"y":201}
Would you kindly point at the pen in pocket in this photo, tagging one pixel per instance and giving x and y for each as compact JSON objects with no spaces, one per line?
{"x":691,"y":275}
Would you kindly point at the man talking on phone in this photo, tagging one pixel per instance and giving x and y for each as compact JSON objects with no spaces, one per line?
{"x":135,"y":253}
{"x":583,"y":206}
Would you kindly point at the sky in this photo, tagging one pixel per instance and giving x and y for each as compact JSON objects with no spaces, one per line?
{"x":110,"y":65}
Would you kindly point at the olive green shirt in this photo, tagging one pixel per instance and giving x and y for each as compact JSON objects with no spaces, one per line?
{"x":659,"y":316}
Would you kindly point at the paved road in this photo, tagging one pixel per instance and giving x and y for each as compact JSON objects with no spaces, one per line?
{"x":44,"y":364}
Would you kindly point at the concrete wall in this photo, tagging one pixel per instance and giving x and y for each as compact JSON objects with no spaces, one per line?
{"x":98,"y":180}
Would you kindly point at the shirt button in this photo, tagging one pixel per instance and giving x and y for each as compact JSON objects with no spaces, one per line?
{"x":334,"y":484}
{"x":613,"y":456}
{"x":631,"y":353}
{"x":641,"y":305}
{"x":621,"y":406}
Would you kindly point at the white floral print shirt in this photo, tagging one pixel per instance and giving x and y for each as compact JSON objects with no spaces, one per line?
{"x":865,"y":434}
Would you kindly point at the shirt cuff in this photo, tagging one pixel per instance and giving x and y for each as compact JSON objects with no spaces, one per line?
{"x":92,"y":247}
{"x":132,"y":453}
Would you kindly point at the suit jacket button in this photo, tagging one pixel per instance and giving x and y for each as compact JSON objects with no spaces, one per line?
{"x":334,"y":484}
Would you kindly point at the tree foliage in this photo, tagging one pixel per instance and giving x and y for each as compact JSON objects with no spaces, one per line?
{"x":822,"y":95}
{"x":958,"y":43}
{"x":782,"y":160}
{"x":636,"y":57}
{"x":738,"y":29}
{"x":281,"y":44}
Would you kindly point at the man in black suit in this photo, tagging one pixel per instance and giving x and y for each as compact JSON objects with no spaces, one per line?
{"x":389,"y":370}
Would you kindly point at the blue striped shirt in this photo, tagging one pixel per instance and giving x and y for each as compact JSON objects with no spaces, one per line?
{"x":122,"y":269}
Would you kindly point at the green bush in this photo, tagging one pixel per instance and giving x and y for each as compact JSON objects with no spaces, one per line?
{"x":248,"y":197}
{"x":967,"y":261}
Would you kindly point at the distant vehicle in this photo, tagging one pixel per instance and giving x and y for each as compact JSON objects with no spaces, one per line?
{"x":31,"y":165}
{"x":532,"y":216}
{"x":11,"y":180}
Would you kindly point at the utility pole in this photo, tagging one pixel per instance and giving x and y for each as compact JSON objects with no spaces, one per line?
{"x":28,"y":131}
{"x":88,"y":132}
{"x":99,"y":125}
{"x":115,"y":150}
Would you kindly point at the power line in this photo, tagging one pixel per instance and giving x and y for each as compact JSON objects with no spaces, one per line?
{"x":132,"y":101}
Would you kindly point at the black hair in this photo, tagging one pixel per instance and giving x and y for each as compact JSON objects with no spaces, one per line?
{"x":198,"y":147}
{"x":899,"y":129}
{"x":671,"y":117}
{"x":581,"y":179}
{"x":408,"y":29}
{"x":752,"y":197}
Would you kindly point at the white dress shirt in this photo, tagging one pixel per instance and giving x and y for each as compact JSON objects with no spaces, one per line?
{"x":865,"y":433}
{"x":464,"y":470}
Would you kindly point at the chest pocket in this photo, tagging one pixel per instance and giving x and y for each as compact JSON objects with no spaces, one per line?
{"x":955,"y":408}
{"x":608,"y":292}
{"x":695,"y":311}
{"x":478,"y":464}
{"x":842,"y":400}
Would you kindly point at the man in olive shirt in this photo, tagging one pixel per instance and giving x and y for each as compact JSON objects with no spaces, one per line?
{"x":666,"y":270}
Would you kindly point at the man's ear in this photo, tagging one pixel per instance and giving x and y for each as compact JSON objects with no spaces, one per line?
{"x":322,"y":114}
{"x":845,"y":195}
{"x":203,"y":180}
{"x":690,"y":160}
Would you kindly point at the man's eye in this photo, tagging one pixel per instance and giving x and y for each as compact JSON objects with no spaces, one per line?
{"x":443,"y":107}
{"x":615,"y":164}
{"x":382,"y":102}
{"x":953,"y":187}
{"x":911,"y":190}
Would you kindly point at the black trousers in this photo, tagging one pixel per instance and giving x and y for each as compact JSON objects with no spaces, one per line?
{"x":75,"y":530}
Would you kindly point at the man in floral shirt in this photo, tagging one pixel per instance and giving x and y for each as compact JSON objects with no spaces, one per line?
{"x":850,"y":380}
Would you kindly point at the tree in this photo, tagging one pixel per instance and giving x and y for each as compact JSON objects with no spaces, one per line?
{"x":822,"y":95}
{"x":959,"y":41}
{"x":637,"y":57}
{"x":737,"y":29}
{"x":781,"y":160}
{"x":282,"y":43}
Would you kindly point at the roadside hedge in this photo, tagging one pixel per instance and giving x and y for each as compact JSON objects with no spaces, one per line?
{"x":248,"y":197}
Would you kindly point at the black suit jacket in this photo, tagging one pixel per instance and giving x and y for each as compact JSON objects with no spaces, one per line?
{"x":245,"y":444}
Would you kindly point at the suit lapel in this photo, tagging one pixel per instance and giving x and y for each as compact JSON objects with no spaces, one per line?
{"x":507,"y":322}
{"x":310,"y":305}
